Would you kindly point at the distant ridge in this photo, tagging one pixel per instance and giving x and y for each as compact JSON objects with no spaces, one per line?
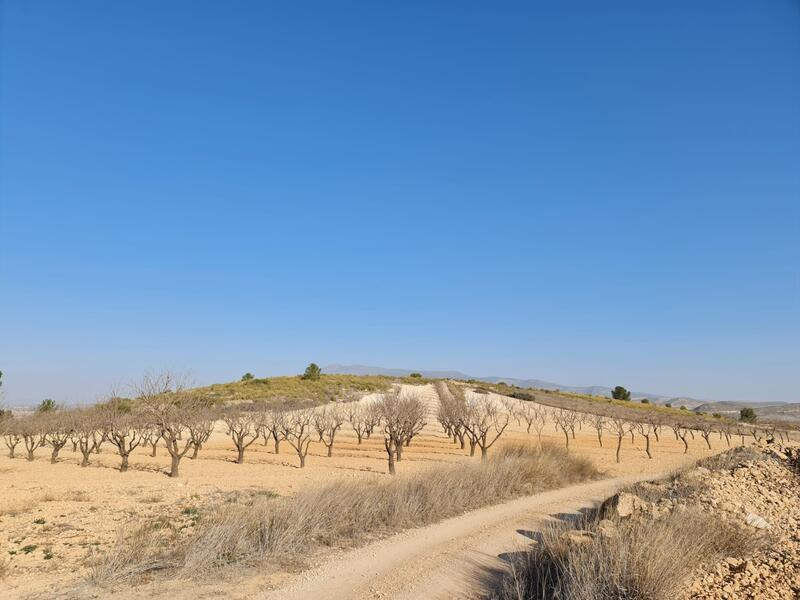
{"x":764,"y":410}
{"x":594,"y":390}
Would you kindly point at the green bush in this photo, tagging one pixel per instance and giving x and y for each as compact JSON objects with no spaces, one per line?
{"x":312,"y":372}
{"x":748,"y":415}
{"x":247,"y":377}
{"x":620,"y":393}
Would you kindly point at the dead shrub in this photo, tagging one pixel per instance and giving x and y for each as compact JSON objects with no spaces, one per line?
{"x":284,"y":531}
{"x":644,"y":559}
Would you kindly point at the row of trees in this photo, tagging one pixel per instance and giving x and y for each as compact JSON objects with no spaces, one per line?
{"x":163,"y":415}
{"x":480,"y":420}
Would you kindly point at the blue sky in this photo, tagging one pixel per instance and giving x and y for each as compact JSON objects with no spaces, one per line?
{"x":584,"y":192}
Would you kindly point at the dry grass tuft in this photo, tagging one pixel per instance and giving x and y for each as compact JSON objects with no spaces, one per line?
{"x":284,"y":531}
{"x":647,"y":559}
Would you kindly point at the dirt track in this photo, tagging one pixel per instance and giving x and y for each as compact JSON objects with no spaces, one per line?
{"x":441,"y":561}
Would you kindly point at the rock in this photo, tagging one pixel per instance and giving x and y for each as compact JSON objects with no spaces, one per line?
{"x":756,"y":521}
{"x":621,"y":505}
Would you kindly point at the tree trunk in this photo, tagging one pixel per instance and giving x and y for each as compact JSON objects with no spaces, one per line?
{"x":85,"y":460}
{"x":30,"y":455}
{"x":278,"y":445}
{"x":240,"y":455}
{"x":124,"y":466}
{"x":600,"y":438}
{"x":330,"y":450}
{"x":54,"y":456}
{"x":685,"y":445}
{"x":632,"y":437}
{"x":398,"y":451}
{"x":155,"y":447}
{"x":302,"y":460}
{"x":173,"y":471}
{"x":472,"y":447}
{"x":647,"y":446}
{"x":11,"y":451}
{"x":195,"y":450}
{"x":708,"y":443}
{"x":390,"y":452}
{"x":484,"y":454}
{"x":74,"y":446}
{"x":566,"y":437}
{"x":619,"y":446}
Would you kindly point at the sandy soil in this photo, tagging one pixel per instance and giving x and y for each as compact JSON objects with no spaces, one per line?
{"x":56,"y":519}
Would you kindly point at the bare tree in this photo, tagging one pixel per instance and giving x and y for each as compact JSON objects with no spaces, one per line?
{"x":200,"y":429}
{"x":58,"y":427}
{"x":272,"y":426}
{"x":705,"y":430}
{"x":124,"y":433}
{"x":681,"y":432}
{"x":646,"y":430}
{"x":11,"y":435}
{"x":242,"y":429}
{"x":33,"y":437}
{"x":151,"y":436}
{"x":565,"y":420}
{"x":332,"y":418}
{"x":620,"y":428}
{"x":599,"y":423}
{"x":485,"y":422}
{"x":401,"y":414}
{"x":358,"y":421}
{"x":297,"y":430}
{"x":87,"y":434}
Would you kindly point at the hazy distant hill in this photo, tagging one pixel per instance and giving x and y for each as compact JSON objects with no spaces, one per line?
{"x":595,"y":390}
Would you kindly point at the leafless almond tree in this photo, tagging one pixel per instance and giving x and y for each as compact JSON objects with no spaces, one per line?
{"x":485,"y":421}
{"x":357,"y":418}
{"x":124,"y":433}
{"x":86,"y":433}
{"x":297,"y":430}
{"x":332,"y":420}
{"x":33,"y":437}
{"x":646,"y":430}
{"x":242,"y":429}
{"x":401,"y":415}
{"x":11,"y":435}
{"x":599,"y":423}
{"x":200,"y":429}
{"x":58,"y":428}
{"x":620,"y":427}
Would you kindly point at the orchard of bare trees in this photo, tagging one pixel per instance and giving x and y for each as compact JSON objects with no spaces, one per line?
{"x":164,"y":416}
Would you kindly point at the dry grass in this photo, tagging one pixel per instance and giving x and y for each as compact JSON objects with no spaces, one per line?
{"x":285,"y":531}
{"x":648,"y":559}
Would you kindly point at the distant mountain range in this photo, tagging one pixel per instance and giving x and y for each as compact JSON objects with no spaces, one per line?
{"x":782,"y":410}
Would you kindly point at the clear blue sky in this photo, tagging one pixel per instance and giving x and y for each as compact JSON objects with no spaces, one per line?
{"x":585,"y":192}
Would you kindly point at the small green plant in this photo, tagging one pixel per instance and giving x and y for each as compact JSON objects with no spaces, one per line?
{"x":748,"y":415}
{"x":683,"y":408}
{"x":247,"y":377}
{"x":48,"y":554}
{"x":47,"y":405}
{"x":668,"y":404}
{"x":29,"y":548}
{"x":415,"y":375}
{"x":645,"y":401}
{"x":39,"y":521}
